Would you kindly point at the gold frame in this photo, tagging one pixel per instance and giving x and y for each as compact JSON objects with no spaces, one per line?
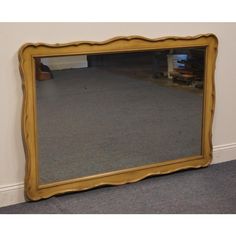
{"x":27,"y":52}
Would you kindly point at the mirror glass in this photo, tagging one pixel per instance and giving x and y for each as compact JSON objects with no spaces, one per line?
{"x":107,"y":112}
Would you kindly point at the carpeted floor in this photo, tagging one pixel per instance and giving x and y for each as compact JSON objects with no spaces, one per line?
{"x":96,"y":120}
{"x":207,"y":190}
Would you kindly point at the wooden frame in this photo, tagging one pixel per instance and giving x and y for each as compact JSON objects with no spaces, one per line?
{"x":29,"y":51}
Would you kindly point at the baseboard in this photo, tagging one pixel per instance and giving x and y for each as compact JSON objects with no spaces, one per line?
{"x":69,"y":65}
{"x":60,"y":63}
{"x":223,"y":153}
{"x":11,"y":194}
{"x":14,"y":193}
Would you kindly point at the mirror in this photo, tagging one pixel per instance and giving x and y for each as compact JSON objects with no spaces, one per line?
{"x":115,"y":112}
{"x":100,"y":113}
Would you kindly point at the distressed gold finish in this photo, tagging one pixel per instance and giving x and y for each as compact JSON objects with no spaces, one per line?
{"x":28,"y":52}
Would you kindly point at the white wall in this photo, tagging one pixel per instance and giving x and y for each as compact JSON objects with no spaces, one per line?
{"x":13,"y":35}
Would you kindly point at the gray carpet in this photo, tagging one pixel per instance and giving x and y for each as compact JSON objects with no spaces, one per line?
{"x":97,"y":120}
{"x":207,"y":190}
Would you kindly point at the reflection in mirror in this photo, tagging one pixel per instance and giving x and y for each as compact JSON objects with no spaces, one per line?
{"x":106,"y":112}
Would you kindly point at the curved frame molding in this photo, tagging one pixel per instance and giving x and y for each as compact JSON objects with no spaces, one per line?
{"x":29,"y":51}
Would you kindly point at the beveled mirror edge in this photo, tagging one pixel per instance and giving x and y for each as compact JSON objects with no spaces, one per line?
{"x":26,"y":54}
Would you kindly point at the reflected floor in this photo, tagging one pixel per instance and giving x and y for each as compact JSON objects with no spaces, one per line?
{"x":98,"y":120}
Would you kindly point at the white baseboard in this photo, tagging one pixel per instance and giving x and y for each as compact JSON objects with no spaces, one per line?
{"x":11,"y":194}
{"x":223,"y":153}
{"x":60,"y":63}
{"x":68,"y":65}
{"x":14,"y":193}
